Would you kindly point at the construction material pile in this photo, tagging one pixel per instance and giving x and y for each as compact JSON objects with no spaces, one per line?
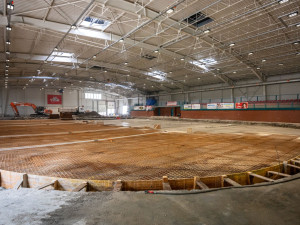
{"x":89,"y":115}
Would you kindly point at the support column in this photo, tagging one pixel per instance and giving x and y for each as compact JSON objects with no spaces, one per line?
{"x":265,"y":92}
{"x":232,"y":94}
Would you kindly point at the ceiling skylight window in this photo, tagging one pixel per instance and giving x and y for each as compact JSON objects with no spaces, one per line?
{"x":62,"y":54}
{"x":204,"y":63}
{"x":113,"y":85}
{"x":158,"y":75}
{"x":95,"y":23}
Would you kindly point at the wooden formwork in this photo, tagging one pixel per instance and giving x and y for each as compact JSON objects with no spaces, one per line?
{"x":9,"y":180}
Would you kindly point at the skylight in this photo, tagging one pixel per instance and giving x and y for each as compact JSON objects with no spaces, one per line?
{"x":113,"y":85}
{"x":62,"y":54}
{"x":204,"y":63}
{"x":158,"y":75}
{"x":95,"y":23}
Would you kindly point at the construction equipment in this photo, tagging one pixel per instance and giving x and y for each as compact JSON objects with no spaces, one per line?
{"x":39,"y":110}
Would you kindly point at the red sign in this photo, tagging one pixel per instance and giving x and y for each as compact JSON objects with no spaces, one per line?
{"x":241,"y":105}
{"x":54,"y":99}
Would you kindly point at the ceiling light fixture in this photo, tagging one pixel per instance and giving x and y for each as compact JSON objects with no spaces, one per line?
{"x":126,"y":63}
{"x":8,"y":28}
{"x":169,"y":11}
{"x":263,"y":60}
{"x":293,"y":14}
{"x":182,"y":59}
{"x":7,"y":60}
{"x":296,"y":43}
{"x":73,"y":27}
{"x":8,"y":42}
{"x":282,"y":1}
{"x":250,"y":53}
{"x":105,"y":71}
{"x":156,"y":51}
{"x":234,"y":71}
{"x":94,"y":57}
{"x":55,"y":49}
{"x":232,"y":44}
{"x":11,"y":5}
{"x":258,"y":68}
{"x":122,"y":40}
{"x":206,"y":31}
{"x":7,"y":66}
{"x":280,"y":64}
{"x":199,"y":78}
{"x":7,"y":52}
{"x":298,"y":25}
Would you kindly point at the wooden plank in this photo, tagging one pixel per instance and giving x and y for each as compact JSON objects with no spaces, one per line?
{"x":291,"y":165}
{"x":18,"y":184}
{"x":166,"y":185}
{"x":202,"y":185}
{"x":118,"y":185}
{"x":277,"y":173}
{"x":80,"y":187}
{"x":295,"y":161}
{"x":25,"y":183}
{"x":47,"y":185}
{"x":231,"y":182}
{"x":261,"y":177}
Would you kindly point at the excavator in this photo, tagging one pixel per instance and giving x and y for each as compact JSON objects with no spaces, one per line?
{"x":39,"y":110}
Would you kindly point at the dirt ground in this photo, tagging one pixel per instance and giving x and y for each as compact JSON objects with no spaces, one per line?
{"x":143,"y":154}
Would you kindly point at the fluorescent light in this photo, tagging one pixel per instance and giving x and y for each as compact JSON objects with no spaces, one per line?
{"x":206,"y":31}
{"x":263,"y":60}
{"x":8,"y":28}
{"x":258,"y":68}
{"x":7,"y":42}
{"x":293,"y":14}
{"x":234,"y":71}
{"x":280,"y":64}
{"x":232,"y":44}
{"x":282,"y":1}
{"x":62,"y":54}
{"x":169,"y":11}
{"x":7,"y":66}
{"x":182,"y":59}
{"x":296,"y":43}
{"x":250,"y":53}
{"x":126,"y":63}
{"x":156,"y":51}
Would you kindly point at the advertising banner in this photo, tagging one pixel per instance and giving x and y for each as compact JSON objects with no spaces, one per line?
{"x":220,"y":106}
{"x":174,"y":103}
{"x":139,"y":107}
{"x":149,"y":107}
{"x":187,"y":106}
{"x":212,"y":106}
{"x":241,"y":105}
{"x":196,"y":106}
{"x":226,"y":106}
{"x":54,"y":99}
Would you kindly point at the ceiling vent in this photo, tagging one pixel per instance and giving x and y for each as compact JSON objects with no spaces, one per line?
{"x":149,"y":57}
{"x":199,"y":19}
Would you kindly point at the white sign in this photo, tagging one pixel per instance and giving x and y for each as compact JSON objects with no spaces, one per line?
{"x":196,"y":106}
{"x":226,"y":106}
{"x":187,"y":106}
{"x":212,"y":106}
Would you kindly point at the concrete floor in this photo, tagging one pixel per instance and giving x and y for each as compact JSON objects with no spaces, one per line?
{"x":209,"y":127}
{"x":273,"y":204}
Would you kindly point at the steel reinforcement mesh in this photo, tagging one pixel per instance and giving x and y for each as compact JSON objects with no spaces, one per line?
{"x":137,"y":157}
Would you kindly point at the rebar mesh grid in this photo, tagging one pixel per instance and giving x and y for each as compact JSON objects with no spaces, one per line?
{"x":149,"y":157}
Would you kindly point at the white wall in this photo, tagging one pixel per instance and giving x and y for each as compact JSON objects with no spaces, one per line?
{"x":70,"y":99}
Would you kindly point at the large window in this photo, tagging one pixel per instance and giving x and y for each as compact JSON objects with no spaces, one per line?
{"x":125,"y":110}
{"x":92,"y":96}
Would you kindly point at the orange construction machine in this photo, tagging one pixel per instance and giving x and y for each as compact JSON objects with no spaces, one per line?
{"x":39,"y":110}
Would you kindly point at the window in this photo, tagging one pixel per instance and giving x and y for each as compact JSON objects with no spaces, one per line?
{"x":92,"y":96}
{"x":111,"y":112}
{"x":125,"y":108}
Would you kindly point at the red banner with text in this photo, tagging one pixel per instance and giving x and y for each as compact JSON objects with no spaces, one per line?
{"x":54,"y":99}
